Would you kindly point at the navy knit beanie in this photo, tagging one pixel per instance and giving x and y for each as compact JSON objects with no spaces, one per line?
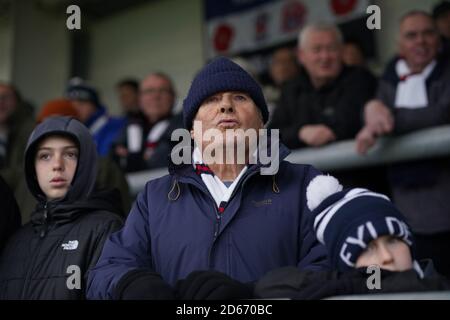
{"x":219,"y":75}
{"x":346,"y":221}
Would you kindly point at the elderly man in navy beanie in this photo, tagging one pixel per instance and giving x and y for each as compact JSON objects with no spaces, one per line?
{"x":209,"y":230}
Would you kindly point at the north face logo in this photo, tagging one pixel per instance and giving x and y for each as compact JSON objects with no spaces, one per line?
{"x":70,"y":245}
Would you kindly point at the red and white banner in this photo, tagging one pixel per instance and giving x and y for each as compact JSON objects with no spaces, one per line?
{"x":237,"y":26}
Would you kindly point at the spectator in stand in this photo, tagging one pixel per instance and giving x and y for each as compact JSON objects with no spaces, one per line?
{"x":94,"y":115}
{"x":48,"y":258}
{"x":109,"y":175}
{"x":324,"y":103}
{"x":359,"y":229}
{"x":283,"y":67}
{"x":414,"y":93}
{"x":199,"y":233}
{"x":441,"y":16}
{"x":16,"y":123}
{"x":128,"y":93}
{"x":145,"y":143}
{"x":353,"y":54}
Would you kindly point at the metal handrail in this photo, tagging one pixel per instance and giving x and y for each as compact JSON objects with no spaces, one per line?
{"x":422,"y":144}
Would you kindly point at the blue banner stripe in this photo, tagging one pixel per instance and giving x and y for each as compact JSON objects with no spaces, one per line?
{"x":220,"y":8}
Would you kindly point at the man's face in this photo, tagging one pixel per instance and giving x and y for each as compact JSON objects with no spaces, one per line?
{"x":443,"y":24}
{"x":418,"y":42}
{"x":352,"y":55}
{"x":55,"y":164}
{"x":8,"y":103}
{"x":156,"y":97}
{"x":85,"y":109}
{"x":321,"y":55}
{"x":129,"y":98}
{"x":390,"y":253}
{"x":228,"y":110}
{"x":283,"y":66}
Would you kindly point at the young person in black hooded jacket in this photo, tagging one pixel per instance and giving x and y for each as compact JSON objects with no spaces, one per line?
{"x":50,"y":256}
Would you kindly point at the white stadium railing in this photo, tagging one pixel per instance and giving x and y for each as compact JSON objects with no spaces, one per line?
{"x":421,"y":144}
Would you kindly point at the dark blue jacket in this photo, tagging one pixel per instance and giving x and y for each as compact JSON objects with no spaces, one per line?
{"x":108,"y":133}
{"x":174,"y":228}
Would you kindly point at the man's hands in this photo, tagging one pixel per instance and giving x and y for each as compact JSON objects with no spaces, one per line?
{"x":378,"y":117}
{"x":212,"y":285}
{"x":365,"y":139}
{"x":143,"y":285}
{"x":316,"y":135}
{"x":378,"y":121}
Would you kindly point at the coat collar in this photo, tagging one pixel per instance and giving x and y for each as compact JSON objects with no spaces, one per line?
{"x":187,"y":170}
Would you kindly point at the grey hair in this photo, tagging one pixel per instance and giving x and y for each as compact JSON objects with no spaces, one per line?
{"x":415,"y":13}
{"x":319,"y":26}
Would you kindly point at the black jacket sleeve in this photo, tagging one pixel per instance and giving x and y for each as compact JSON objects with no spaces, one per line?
{"x":356,"y":90}
{"x":285,"y":119}
{"x":292,"y":283}
{"x":10,"y":218}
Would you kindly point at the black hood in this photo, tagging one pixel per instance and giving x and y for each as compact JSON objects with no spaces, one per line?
{"x":86,"y":172}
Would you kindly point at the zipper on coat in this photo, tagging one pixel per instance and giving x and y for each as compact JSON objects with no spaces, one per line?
{"x":216,"y":234}
{"x":216,"y":227}
{"x":42,"y":233}
{"x":44,"y":229}
{"x":219,"y":211}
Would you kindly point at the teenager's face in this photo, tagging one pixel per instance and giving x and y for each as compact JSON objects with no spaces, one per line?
{"x":388,"y":252}
{"x":55,"y":163}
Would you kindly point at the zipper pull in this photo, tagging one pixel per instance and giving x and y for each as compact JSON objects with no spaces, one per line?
{"x":45,"y":212}
{"x":221,"y":208}
{"x":44,"y":227}
{"x":220,"y":211}
{"x":217,"y":226}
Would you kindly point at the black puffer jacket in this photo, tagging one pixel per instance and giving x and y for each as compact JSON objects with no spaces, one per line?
{"x":338,"y":105}
{"x":49,"y":257}
{"x":9,"y":213}
{"x":289,"y":282}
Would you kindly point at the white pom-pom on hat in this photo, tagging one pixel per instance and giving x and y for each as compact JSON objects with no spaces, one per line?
{"x":320,"y":188}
